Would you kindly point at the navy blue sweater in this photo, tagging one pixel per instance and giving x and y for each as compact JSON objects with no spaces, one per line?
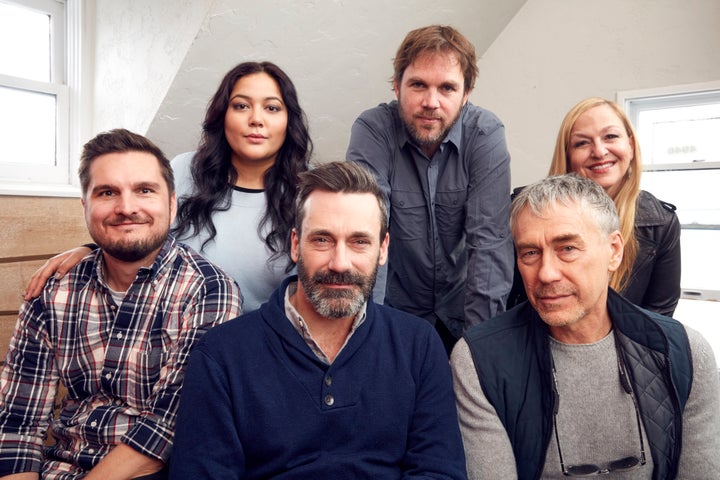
{"x":257,"y":403}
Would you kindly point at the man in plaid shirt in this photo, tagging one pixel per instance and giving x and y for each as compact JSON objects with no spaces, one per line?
{"x":116,"y":331}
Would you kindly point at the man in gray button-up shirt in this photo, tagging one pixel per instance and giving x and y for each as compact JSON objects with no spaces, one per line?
{"x":444,"y":167}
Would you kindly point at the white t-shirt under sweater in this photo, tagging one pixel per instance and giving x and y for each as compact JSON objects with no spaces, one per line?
{"x":596,"y":418}
{"x":237,"y":248}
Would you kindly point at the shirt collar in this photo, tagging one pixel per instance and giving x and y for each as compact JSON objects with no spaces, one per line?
{"x":299,"y":324}
{"x":167,"y":253}
{"x":453,"y":136}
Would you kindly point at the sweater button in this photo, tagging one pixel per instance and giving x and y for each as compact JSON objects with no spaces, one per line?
{"x":329,"y":400}
{"x":328,"y":380}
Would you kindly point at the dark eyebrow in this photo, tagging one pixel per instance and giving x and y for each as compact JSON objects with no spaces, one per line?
{"x":355,"y":234}
{"x":109,"y":186}
{"x":105,"y":186}
{"x":414,"y":79}
{"x":154,"y":185}
{"x":246,"y":97}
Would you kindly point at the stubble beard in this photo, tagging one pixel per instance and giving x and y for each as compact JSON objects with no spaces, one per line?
{"x":425,"y":138}
{"x":560,"y":315}
{"x":131,"y":250}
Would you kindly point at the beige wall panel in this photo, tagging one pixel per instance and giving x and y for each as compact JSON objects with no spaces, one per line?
{"x":31,"y":226}
{"x":7,"y":324}
{"x":13,"y":278}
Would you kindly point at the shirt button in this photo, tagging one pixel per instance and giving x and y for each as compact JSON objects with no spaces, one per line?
{"x":329,"y":400}
{"x":91,"y":451}
{"x":93,"y":424}
{"x":328,"y":380}
{"x":119,"y":335}
{"x":108,"y":376}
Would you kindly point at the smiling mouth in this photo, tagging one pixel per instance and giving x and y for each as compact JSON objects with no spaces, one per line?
{"x":602,"y":166}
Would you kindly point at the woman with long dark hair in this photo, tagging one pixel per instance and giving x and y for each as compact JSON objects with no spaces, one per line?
{"x":239,"y":186}
{"x":236,"y":192}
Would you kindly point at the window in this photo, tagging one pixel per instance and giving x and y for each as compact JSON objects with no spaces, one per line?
{"x":35,"y":94}
{"x":678,"y":133}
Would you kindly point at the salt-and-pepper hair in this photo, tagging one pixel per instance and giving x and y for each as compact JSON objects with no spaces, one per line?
{"x":339,"y":177}
{"x":567,"y":190}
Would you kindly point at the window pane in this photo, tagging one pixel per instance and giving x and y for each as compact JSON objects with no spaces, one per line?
{"x":696,"y":257}
{"x":693,"y":192}
{"x":703,"y":317}
{"x":680,"y":135}
{"x":24,"y":43}
{"x":27,"y":121}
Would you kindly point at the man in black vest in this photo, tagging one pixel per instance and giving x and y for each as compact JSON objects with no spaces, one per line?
{"x":578,"y":381}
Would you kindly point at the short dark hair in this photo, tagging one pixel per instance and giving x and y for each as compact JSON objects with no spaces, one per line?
{"x":339,"y":177}
{"x":435,"y":39}
{"x":121,"y":140}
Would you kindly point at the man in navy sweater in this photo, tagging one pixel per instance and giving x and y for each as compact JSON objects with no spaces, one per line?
{"x":321,"y":382}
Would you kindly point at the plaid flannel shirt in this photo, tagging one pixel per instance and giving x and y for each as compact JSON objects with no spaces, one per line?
{"x":123,"y":365}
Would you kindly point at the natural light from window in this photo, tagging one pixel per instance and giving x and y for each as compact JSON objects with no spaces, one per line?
{"x":34,"y":117}
{"x":26,"y":36}
{"x":678,"y":133}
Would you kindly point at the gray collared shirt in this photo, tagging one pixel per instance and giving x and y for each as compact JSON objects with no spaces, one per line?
{"x":297,"y":321}
{"x":451,"y":253}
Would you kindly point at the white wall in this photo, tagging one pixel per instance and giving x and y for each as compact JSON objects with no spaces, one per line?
{"x":556,"y":52}
{"x":338,"y":54}
{"x":159,"y":61}
{"x":139,"y":46}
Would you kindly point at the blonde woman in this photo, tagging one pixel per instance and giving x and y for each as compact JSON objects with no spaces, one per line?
{"x":596,"y":140}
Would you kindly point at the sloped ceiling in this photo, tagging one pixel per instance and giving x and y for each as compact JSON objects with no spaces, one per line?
{"x":338,"y":53}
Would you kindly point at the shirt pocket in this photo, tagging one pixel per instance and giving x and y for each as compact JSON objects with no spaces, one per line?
{"x":149,"y":364}
{"x":408,"y":216}
{"x":450,"y":213}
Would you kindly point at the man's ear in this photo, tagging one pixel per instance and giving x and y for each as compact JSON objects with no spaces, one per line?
{"x":294,"y":245}
{"x":173,"y":207}
{"x":384,"y":250}
{"x":617,"y":247}
{"x":465,"y":98}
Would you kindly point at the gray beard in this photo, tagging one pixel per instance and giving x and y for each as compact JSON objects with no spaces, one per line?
{"x":336,"y":304}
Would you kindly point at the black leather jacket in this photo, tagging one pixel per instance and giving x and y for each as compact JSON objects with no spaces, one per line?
{"x":655,"y":278}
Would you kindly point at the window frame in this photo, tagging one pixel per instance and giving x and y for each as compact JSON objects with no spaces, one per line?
{"x":635,"y":101}
{"x":67,"y":72}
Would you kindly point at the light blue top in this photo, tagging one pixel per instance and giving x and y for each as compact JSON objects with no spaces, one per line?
{"x":237,"y":248}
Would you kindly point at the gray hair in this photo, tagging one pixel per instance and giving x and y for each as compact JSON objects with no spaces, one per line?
{"x":569,"y":189}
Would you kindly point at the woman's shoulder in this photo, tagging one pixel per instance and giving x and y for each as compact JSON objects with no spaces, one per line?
{"x":181,"y":170}
{"x":651,"y":210}
{"x":182,"y":162}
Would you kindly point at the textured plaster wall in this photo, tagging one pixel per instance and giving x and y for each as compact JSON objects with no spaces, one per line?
{"x":139,"y":46}
{"x":557,"y":52}
{"x":338,"y":54}
{"x":159,"y":61}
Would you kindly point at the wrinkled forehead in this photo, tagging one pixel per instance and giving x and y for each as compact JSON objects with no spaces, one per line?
{"x":341,"y":211}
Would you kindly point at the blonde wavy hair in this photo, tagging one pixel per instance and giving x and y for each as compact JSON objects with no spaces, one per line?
{"x":625,"y":196}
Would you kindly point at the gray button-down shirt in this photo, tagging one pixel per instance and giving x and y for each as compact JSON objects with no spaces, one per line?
{"x":451,"y":253}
